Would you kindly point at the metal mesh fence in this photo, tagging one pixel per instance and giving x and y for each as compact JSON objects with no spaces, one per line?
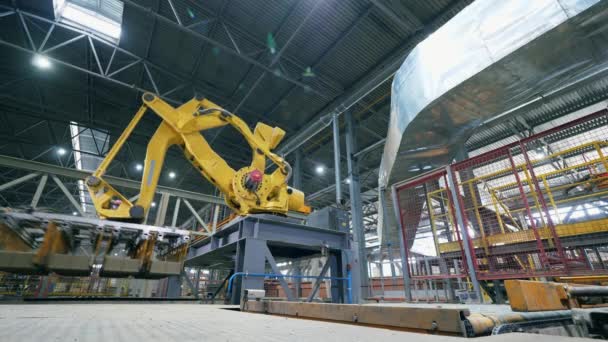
{"x":428,"y":221}
{"x":534,"y":208}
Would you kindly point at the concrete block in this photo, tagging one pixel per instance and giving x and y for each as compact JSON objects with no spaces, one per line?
{"x":161,"y":269}
{"x":69,"y":265}
{"x":19,"y":262}
{"x":117,"y":267}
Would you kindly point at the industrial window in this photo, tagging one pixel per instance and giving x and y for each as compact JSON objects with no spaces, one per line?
{"x":103,"y":17}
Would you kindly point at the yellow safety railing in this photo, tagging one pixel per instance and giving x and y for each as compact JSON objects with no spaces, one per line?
{"x":497,"y":202}
{"x":562,"y":230}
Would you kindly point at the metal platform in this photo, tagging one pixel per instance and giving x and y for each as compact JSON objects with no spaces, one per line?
{"x":247,"y":243}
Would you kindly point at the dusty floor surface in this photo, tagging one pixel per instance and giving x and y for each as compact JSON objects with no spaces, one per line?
{"x":191,"y":322}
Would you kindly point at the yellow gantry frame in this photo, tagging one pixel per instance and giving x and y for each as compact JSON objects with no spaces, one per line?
{"x":181,"y":126}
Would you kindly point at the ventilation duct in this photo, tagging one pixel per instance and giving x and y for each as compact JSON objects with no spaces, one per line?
{"x":490,"y":59}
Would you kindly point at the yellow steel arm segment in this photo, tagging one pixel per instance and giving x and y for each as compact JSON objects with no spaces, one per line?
{"x":247,"y":190}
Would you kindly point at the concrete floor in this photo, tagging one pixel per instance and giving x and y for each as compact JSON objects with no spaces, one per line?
{"x":190,"y":322}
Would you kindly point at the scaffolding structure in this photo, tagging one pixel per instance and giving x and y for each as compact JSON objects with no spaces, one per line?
{"x":533,"y":208}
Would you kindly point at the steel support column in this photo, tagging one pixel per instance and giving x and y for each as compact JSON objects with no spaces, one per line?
{"x":391,"y":259}
{"x":216,"y":213}
{"x":356,"y":206}
{"x":468,"y":250}
{"x":176,"y":212}
{"x":337,"y":154}
{"x":174,"y":286}
{"x":161,"y":213}
{"x":297,"y":171}
{"x":405,"y":268}
{"x":39,"y":190}
{"x":250,"y":258}
{"x":298,"y":281}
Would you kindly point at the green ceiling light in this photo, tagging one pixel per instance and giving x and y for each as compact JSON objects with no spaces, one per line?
{"x":308,"y":72}
{"x":272,"y":45}
{"x":190,"y":13}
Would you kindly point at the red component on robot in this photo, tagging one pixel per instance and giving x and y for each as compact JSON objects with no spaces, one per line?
{"x":253,"y":180}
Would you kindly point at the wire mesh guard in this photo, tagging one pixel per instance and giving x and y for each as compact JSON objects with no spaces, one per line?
{"x":533,"y":208}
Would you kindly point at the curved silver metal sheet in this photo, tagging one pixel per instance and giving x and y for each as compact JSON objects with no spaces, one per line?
{"x":493,"y":57}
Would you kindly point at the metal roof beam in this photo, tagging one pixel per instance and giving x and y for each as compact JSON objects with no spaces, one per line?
{"x":103,"y":74}
{"x":381,"y":73}
{"x":223,"y":47}
{"x":276,"y":58}
{"x":17,"y":163}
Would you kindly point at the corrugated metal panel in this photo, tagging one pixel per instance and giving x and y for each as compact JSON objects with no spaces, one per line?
{"x":426,"y":10}
{"x":363,"y":49}
{"x":558,"y":110}
{"x":330,"y":20}
{"x":259,"y":17}
{"x":166,"y":41}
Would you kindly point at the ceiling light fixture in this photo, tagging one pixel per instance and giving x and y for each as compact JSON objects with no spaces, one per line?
{"x":41,"y":62}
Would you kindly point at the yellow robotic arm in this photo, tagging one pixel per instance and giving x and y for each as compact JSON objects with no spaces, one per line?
{"x":247,"y":190}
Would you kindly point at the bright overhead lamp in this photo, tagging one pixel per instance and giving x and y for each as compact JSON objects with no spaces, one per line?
{"x":61,"y":151}
{"x":75,"y":213}
{"x":139,"y":167}
{"x":540,"y":153}
{"x":320,"y":169}
{"x":41,"y":62}
{"x":172,"y":175}
{"x":347,"y":181}
{"x":153,"y":204}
